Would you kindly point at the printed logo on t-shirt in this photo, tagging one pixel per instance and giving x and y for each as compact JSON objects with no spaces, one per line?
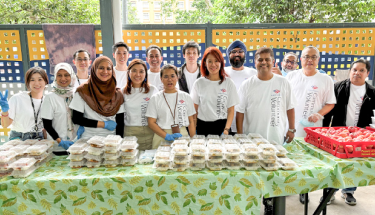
{"x":182,"y":113}
{"x":181,"y":101}
{"x":358,"y":106}
{"x":314,"y":87}
{"x":276,"y":91}
{"x":275,"y":108}
{"x":223,"y":90}
{"x":310,"y":101}
{"x":146,"y":99}
{"x":144,"y":106}
{"x":221,"y":104}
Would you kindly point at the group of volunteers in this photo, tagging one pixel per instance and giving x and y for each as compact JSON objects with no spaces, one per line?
{"x":163,"y":103}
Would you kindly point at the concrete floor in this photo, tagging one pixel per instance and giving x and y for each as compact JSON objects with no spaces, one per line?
{"x":363,"y":195}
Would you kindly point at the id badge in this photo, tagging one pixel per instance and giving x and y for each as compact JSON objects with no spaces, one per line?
{"x":175,"y":128}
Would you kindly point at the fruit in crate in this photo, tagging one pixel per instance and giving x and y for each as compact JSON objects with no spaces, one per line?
{"x":350,"y":134}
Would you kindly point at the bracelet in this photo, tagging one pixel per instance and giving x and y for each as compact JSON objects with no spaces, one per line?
{"x":226,"y":129}
{"x":4,"y":115}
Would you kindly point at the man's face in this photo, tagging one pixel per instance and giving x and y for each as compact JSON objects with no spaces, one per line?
{"x":82,"y":61}
{"x":289,"y":63}
{"x":358,"y":74}
{"x":264,"y":63}
{"x":121,"y":55}
{"x":154,"y":58}
{"x":309,"y":59}
{"x":191,"y":55}
{"x":237,"y":57}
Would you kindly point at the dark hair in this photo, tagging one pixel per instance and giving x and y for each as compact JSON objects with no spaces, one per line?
{"x":219,"y":56}
{"x":264,"y":50}
{"x":35,"y":70}
{"x":145,"y":84}
{"x":291,"y":53}
{"x":168,"y":66}
{"x":153,"y":47}
{"x":119,"y":44}
{"x":79,"y":51}
{"x":191,"y":44}
{"x":361,"y":60}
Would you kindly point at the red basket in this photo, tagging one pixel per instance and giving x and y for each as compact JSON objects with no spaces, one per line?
{"x":327,"y":144}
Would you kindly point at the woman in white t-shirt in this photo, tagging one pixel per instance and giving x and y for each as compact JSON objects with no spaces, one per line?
{"x":137,"y":94}
{"x":97,"y":104}
{"x":214,"y":95}
{"x":56,"y":114}
{"x":170,"y":111}
{"x":23,"y":110}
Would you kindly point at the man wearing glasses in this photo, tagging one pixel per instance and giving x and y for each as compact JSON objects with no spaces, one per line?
{"x":290,"y":63}
{"x":236,"y":53}
{"x":81,"y":59}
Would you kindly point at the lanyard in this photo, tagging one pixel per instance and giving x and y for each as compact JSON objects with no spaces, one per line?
{"x":173,"y":115}
{"x":36,"y":114}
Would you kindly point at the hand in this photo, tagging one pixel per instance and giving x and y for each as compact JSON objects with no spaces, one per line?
{"x":306,"y":123}
{"x":315,"y":117}
{"x":226,"y":132}
{"x":168,"y":137}
{"x":110,"y":125}
{"x":4,"y":101}
{"x":276,"y":69}
{"x":65,"y":144}
{"x":80,"y":131}
{"x":289,"y":136}
{"x":176,"y":135}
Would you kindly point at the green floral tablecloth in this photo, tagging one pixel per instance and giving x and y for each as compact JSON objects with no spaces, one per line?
{"x":57,"y":189}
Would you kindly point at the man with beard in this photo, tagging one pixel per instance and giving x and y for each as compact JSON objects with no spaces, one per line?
{"x":190,"y":71}
{"x":236,"y":53}
{"x":290,"y":63}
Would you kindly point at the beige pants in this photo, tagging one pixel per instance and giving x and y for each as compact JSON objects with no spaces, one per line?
{"x":144,"y":134}
{"x":158,"y":140}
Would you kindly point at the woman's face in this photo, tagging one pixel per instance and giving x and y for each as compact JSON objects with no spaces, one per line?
{"x":169,"y":79}
{"x":104,"y":71}
{"x":63,"y":78}
{"x":137,"y":74}
{"x":37,"y":83}
{"x":213,"y":65}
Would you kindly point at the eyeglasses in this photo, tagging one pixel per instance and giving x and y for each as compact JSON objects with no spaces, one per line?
{"x":237,"y":51}
{"x":291,"y":62}
{"x":310,"y":57}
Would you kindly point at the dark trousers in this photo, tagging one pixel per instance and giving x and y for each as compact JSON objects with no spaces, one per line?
{"x":213,"y":127}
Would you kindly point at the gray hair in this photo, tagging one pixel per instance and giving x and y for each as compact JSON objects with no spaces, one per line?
{"x":311,"y":47}
{"x":291,"y":53}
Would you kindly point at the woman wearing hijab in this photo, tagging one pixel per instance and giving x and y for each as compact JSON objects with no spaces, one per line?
{"x":97,"y":105}
{"x":56,"y":114}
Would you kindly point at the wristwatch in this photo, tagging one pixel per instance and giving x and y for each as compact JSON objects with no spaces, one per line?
{"x":226,"y":129}
{"x":292,"y":130}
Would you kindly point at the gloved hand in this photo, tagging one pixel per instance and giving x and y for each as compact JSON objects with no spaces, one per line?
{"x":110,"y":125}
{"x":169,"y":137}
{"x":80,"y":131}
{"x":315,"y":117}
{"x":306,"y":123}
{"x":176,"y":135}
{"x":4,"y":101}
{"x":65,"y":144}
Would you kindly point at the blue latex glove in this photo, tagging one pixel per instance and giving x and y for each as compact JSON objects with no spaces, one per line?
{"x":80,"y":131}
{"x":169,"y":137}
{"x":65,"y":144}
{"x":306,"y":123}
{"x":110,"y":125}
{"x":4,"y":101}
{"x":176,"y":135}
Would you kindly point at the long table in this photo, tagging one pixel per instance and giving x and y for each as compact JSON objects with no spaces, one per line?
{"x":55,"y":188}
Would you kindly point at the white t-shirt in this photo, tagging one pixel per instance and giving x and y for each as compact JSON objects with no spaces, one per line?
{"x":80,"y":105}
{"x":214,"y":99}
{"x":312,"y":94}
{"x":136,"y":106}
{"x":239,"y":76}
{"x":154,"y":79}
{"x":22,"y":113}
{"x":53,"y":108}
{"x":190,"y":77}
{"x":265,"y":105}
{"x":357,"y":94}
{"x":79,"y":82}
{"x":121,"y":78}
{"x":159,"y":110}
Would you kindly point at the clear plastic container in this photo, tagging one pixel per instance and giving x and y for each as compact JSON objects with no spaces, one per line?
{"x":185,"y":137}
{"x":147,"y":157}
{"x":8,"y":163}
{"x":226,"y":136}
{"x":164,"y":148}
{"x":230,"y":141}
{"x":197,"y":158}
{"x":281,"y":151}
{"x":112,"y":156}
{"x":268,"y":158}
{"x":245,"y":141}
{"x":180,"y":150}
{"x":94,"y":151}
{"x":287,"y":164}
{"x":93,"y":164}
{"x":215,"y":150}
{"x":273,"y":142}
{"x":215,"y":158}
{"x":130,"y":138}
{"x":112,"y":140}
{"x":38,"y":157}
{"x":232,"y":158}
{"x":232,"y":165}
{"x":128,"y":146}
{"x":213,"y":136}
{"x":112,"y":150}
{"x":180,"y":143}
{"x":76,"y":158}
{"x":6,"y":156}
{"x":162,"y":156}
{"x":37,"y":149}
{"x":180,"y":159}
{"x":214,"y":166}
{"x":239,"y":136}
{"x":202,"y":137}
{"x":23,"y":164}
{"x":49,"y":143}
{"x":6,"y":172}
{"x":250,"y":149}
{"x":5,"y":147}
{"x":77,"y":148}
{"x":214,"y":142}
{"x":269,"y":166}
{"x":93,"y":158}
{"x":129,"y":162}
{"x":77,"y":164}
{"x":267,"y":148}
{"x":180,"y":167}
{"x":13,"y":142}
{"x":250,"y":166}
{"x":250,"y":158}
{"x":197,"y":166}
{"x":162,"y":167}
{"x":232,"y":150}
{"x":254,"y":135}
{"x":29,"y":142}
{"x":201,"y":142}
{"x":82,"y":141}
{"x":129,"y":155}
{"x":198,"y":150}
{"x":111,"y":163}
{"x":260,"y":141}
{"x":96,"y":141}
{"x":23,"y":173}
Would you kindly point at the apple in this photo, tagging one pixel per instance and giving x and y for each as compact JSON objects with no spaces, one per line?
{"x":351,"y":129}
{"x":349,"y":148}
{"x":341,"y":150}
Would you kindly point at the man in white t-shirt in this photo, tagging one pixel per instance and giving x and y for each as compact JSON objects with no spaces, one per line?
{"x":289,"y":63}
{"x":190,"y":71}
{"x":236,"y":53}
{"x":354,"y":107}
{"x":121,"y":55}
{"x":82,"y":61}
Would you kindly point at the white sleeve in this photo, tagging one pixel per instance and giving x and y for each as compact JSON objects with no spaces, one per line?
{"x":233,"y":98}
{"x":77,"y":104}
{"x":47,"y":108}
{"x":290,"y":98}
{"x":152,"y":108}
{"x":241,"y":107}
{"x":12,"y":107}
{"x":190,"y":106}
{"x":194,"y":93}
{"x":330,"y":97}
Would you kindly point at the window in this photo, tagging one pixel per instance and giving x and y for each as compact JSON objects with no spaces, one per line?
{"x":170,"y":17}
{"x":145,"y":4}
{"x":191,"y":4}
{"x":157,"y":5}
{"x":146,"y":16}
{"x":180,"y":5}
{"x":157,"y":16}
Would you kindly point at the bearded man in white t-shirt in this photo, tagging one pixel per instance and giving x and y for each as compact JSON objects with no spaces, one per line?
{"x":120,"y":52}
{"x":236,"y":53}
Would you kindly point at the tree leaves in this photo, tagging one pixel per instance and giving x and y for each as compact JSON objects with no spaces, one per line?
{"x":187,"y":202}
{"x":270,"y":176}
{"x":175,"y":207}
{"x":245,"y":182}
{"x":138,"y":189}
{"x":83,"y":182}
{"x":213,"y":186}
{"x":3,"y":187}
{"x":291,"y":178}
{"x":225,"y":183}
{"x":72,"y":189}
{"x":149,"y":183}
{"x":110,"y":192}
{"x":43,"y":191}
{"x":45,"y":204}
{"x":79,"y":201}
{"x":182,"y":180}
{"x":207,"y":207}
{"x":174,"y":194}
{"x":347,"y":169}
{"x":9,"y":202}
{"x":199,"y":182}
{"x":237,"y":197}
{"x":161,"y":181}
{"x":202,"y":192}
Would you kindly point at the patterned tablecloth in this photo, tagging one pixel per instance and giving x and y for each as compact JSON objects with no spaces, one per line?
{"x":57,"y":189}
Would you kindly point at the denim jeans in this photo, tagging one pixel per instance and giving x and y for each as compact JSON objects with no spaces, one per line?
{"x":24,"y":136}
{"x":348,"y":190}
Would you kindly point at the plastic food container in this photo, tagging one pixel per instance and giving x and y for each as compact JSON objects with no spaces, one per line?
{"x":214,"y":142}
{"x":76,"y":158}
{"x":129,"y":155}
{"x":198,"y":150}
{"x":49,"y":143}
{"x":6,"y":156}
{"x":5,"y":147}
{"x":129,"y":162}
{"x":147,"y":157}
{"x":250,"y":149}
{"x":96,"y":141}
{"x":23,"y":164}
{"x":164,"y":149}
{"x":5,"y":165}
{"x":94,"y":151}
{"x":23,"y":173}
{"x":197,"y":158}
{"x":197,"y":166}
{"x":230,"y":141}
{"x":111,"y":149}
{"x":13,"y":142}
{"x":239,"y":136}
{"x":29,"y":142}
{"x":273,"y":142}
{"x":180,"y":150}
{"x":115,"y":139}
{"x":77,"y":148}
{"x":214,"y":166}
{"x":215,"y":150}
{"x":201,"y":142}
{"x":281,"y":151}
{"x":162,"y":166}
{"x":128,"y":146}
{"x":260,"y":141}
{"x":112,"y":156}
{"x":93,"y":164}
{"x":254,"y":135}
{"x":212,"y":136}
{"x":5,"y":172}
{"x":232,"y":158}
{"x":232,"y":150}
{"x":130,"y":138}
{"x":77,"y":164}
{"x":82,"y":141}
{"x":37,"y":149}
{"x":202,"y":137}
{"x":232,"y":165}
{"x":180,"y":167}
{"x":110,"y":163}
{"x":215,"y":158}
{"x":250,"y":166}
{"x":180,"y":159}
{"x":268,"y":158}
{"x":226,"y":136}
{"x":180,"y":143}
{"x":162,"y":156}
{"x":245,"y":141}
{"x":38,"y":157}
{"x":287,"y":164}
{"x":249,"y":158}
{"x":269,"y":166}
{"x":185,"y":137}
{"x":93,"y":158}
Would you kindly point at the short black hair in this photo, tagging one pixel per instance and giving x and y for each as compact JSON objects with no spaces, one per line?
{"x":79,"y":51}
{"x":264,"y":50}
{"x":168,"y":66}
{"x":191,"y":44}
{"x":119,"y":44}
{"x":153,"y":47}
{"x":361,"y":60}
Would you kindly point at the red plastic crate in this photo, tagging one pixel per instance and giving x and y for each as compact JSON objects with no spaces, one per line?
{"x":327,"y":144}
